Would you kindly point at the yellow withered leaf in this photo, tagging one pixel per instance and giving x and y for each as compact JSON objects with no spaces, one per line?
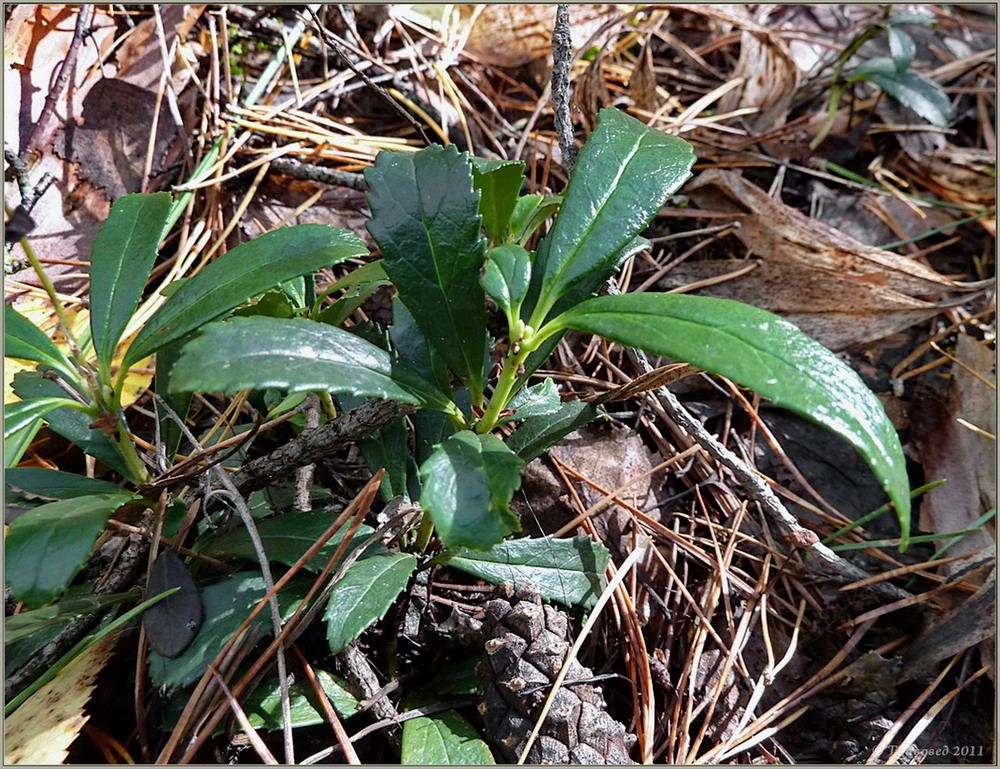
{"x":43,"y":728}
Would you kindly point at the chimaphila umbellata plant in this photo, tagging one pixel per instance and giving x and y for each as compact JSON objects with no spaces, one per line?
{"x":452,"y":231}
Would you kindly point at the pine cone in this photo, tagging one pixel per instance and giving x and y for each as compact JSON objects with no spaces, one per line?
{"x":526,"y":645}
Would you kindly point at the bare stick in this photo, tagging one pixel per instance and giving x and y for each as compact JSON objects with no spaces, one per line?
{"x":562,"y":61}
{"x":313,"y":445}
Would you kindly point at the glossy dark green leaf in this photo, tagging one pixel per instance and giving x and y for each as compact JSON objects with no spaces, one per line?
{"x":23,"y":339}
{"x":49,"y":544}
{"x":506,"y":277}
{"x":530,"y":212}
{"x":536,"y":401}
{"x":55,"y":484}
{"x":570,"y":571}
{"x":18,"y":414}
{"x":910,"y":89}
{"x":295,"y":355}
{"x":122,"y":256}
{"x":443,"y":739}
{"x":70,"y":423}
{"x":761,"y":351}
{"x":273,"y":304}
{"x":499,"y":183}
{"x":533,"y":438}
{"x":353,"y":298}
{"x":410,"y":343}
{"x":902,"y":48}
{"x":68,"y":608}
{"x":425,"y":218}
{"x":286,"y":538}
{"x":248,"y":270}
{"x":364,"y":595}
{"x":468,"y":483}
{"x":226,"y":604}
{"x":624,"y":174}
{"x":15,"y":444}
{"x":263,"y":706}
{"x":389,"y":449}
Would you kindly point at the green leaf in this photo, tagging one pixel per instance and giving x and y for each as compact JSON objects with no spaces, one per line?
{"x":19,"y":414}
{"x":54,"y":484}
{"x":49,"y":544}
{"x":285,"y":538}
{"x":248,"y":270}
{"x":122,"y":256}
{"x":910,"y":18}
{"x":389,"y":448}
{"x":506,"y":278}
{"x":529,"y":213}
{"x":536,"y":401}
{"x":273,"y":304}
{"x":67,"y":609}
{"x":410,"y":344}
{"x":15,"y":444}
{"x":910,"y":89}
{"x":443,"y":739}
{"x":902,"y":48}
{"x":536,"y":435}
{"x":295,"y":355}
{"x":353,"y":298}
{"x":467,"y":485}
{"x":263,"y":706}
{"x":425,"y":218}
{"x":226,"y":604}
{"x":765,"y":353}
{"x":23,"y":339}
{"x":570,"y":571}
{"x":624,"y":174}
{"x":364,"y":595}
{"x":71,"y":423}
{"x":499,"y":183}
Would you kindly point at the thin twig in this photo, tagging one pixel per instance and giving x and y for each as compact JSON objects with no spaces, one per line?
{"x":313,"y":445}
{"x":314,"y":173}
{"x":41,"y":129}
{"x":237,"y":500}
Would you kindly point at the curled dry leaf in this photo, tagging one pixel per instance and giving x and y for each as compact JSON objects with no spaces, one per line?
{"x":515,"y":35}
{"x":769,"y":74}
{"x":835,"y":309}
{"x":950,"y":450}
{"x":778,"y":232}
{"x":963,"y":175}
{"x":837,"y":289}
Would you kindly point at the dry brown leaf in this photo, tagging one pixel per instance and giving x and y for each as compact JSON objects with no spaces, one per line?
{"x":515,"y":35}
{"x":43,"y":728}
{"x":642,"y":83}
{"x":140,"y":60}
{"x":780,"y":234}
{"x":591,"y":92}
{"x":948,"y":449}
{"x":835,"y":309}
{"x":961,"y":175}
{"x":770,"y":76}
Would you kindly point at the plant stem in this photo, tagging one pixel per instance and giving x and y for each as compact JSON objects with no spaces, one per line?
{"x":507,"y":382}
{"x":837,"y":87}
{"x":129,"y":454}
{"x":57,"y":305}
{"x":425,"y":532}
